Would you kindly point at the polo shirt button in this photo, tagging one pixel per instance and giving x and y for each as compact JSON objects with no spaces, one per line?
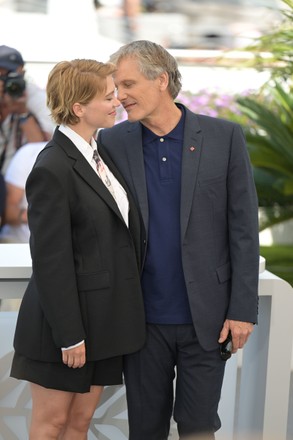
{"x":162,"y":139}
{"x":164,"y":159}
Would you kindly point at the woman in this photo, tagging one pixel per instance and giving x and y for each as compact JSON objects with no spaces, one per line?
{"x":83,"y":308}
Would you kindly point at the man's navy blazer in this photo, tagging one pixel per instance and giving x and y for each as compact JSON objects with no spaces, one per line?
{"x":218,"y":215}
{"x":86,"y":261}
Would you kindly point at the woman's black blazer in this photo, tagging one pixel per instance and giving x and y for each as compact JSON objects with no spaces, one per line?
{"x":86,"y":262}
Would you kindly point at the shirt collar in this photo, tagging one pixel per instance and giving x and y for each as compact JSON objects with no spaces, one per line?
{"x":175,"y":134}
{"x":84,"y":147}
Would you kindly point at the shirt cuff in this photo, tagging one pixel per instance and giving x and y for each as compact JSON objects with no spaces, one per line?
{"x":72,"y":346}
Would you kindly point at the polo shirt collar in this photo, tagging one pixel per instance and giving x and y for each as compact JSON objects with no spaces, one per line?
{"x":175,"y":134}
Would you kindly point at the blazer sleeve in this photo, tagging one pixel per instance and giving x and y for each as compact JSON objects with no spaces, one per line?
{"x":52,"y":256}
{"x":243,"y":232}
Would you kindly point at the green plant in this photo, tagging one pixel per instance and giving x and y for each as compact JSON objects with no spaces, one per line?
{"x":279,"y":260}
{"x":274,"y":51}
{"x":270,"y":133}
{"x":270,"y":144}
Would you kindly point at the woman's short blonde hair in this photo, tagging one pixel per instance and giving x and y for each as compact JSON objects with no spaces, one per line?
{"x":75,"y":81}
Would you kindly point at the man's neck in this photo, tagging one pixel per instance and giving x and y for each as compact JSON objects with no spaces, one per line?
{"x":165,"y":122}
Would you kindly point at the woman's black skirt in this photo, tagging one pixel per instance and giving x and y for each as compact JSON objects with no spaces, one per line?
{"x":59,"y":376}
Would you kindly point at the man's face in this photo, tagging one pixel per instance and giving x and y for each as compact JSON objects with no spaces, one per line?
{"x":139,"y":96}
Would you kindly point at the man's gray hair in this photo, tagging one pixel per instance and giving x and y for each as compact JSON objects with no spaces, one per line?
{"x":152,"y":60}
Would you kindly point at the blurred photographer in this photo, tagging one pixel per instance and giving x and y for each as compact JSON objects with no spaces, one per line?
{"x":2,"y":196}
{"x":24,"y":116}
{"x":15,"y":229}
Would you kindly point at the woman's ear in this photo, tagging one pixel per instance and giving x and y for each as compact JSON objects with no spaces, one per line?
{"x":77,"y":109}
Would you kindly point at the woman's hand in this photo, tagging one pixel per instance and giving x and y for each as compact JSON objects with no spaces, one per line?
{"x":74,"y":357}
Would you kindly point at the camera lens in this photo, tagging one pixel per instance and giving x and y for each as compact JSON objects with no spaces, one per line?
{"x":15,"y":85}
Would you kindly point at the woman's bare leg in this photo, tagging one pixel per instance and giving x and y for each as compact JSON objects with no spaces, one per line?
{"x":81,"y":412}
{"x":49,"y":412}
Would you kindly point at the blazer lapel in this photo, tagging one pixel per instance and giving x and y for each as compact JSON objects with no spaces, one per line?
{"x":191,"y":153}
{"x":192,"y":147}
{"x":133,"y":140}
{"x":134,"y":217}
{"x":83,"y":168}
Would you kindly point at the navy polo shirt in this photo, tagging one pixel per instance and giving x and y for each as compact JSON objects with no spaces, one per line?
{"x":163,"y":284}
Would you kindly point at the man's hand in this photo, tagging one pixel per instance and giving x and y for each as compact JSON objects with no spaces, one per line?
{"x":240,"y":333}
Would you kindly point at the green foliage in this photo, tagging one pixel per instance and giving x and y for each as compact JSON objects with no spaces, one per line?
{"x":270,"y":144}
{"x":270,"y":140}
{"x":279,"y":260}
{"x":269,"y":131}
{"x":274,"y":51}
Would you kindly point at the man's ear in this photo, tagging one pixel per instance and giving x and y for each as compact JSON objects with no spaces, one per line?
{"x":164,"y":81}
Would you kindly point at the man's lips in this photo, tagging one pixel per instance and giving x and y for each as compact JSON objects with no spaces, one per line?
{"x":128,"y":106}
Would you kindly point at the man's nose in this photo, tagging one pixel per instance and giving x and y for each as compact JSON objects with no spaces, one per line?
{"x":121,"y":95}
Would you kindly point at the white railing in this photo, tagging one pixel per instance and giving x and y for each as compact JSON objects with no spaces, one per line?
{"x":255,"y":395}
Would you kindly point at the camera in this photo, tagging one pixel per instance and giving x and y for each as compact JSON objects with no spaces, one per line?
{"x":14,"y":84}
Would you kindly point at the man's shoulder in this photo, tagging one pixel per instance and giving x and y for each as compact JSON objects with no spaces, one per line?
{"x":207,"y":124}
{"x":208,"y":121}
{"x":117,"y":130}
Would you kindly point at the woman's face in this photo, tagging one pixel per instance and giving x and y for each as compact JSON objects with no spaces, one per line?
{"x":101,"y":111}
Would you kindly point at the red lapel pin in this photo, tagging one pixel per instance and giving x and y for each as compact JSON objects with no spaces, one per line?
{"x":192,"y":149}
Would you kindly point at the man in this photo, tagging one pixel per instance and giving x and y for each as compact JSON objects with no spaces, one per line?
{"x":24,"y":116}
{"x":191,"y":177}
